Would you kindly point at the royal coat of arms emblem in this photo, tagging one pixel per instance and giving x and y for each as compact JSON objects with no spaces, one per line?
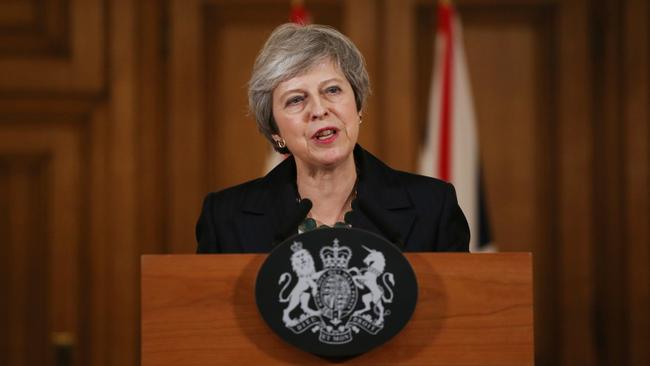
{"x":336,"y":292}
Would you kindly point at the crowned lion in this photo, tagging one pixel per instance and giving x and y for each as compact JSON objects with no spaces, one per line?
{"x":304,"y":267}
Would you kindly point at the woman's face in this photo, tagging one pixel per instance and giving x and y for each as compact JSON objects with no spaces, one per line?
{"x":317,"y":116}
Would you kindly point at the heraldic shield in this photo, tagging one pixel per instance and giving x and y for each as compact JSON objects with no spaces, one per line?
{"x":336,"y":292}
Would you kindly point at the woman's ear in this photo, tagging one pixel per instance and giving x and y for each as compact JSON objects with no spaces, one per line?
{"x":279,"y":141}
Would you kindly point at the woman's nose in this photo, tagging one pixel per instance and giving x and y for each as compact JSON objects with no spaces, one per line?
{"x":318,"y":109}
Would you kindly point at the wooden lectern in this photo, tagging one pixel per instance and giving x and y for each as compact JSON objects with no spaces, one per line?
{"x":473,"y":309}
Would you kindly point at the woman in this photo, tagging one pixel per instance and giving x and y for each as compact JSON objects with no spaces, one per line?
{"x":307,"y":92}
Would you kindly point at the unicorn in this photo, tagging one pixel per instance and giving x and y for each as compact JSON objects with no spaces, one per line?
{"x":367,"y":277}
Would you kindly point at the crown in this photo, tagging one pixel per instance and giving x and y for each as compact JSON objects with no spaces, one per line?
{"x":296,"y":246}
{"x":335,"y":256}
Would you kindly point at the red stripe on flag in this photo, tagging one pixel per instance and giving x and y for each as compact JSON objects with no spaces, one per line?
{"x":445,"y":13}
{"x":299,"y":13}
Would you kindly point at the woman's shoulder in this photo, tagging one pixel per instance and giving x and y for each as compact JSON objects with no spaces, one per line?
{"x":418,"y":180}
{"x":255,"y":195}
{"x":423,"y":183}
{"x":410,"y":181}
{"x":233,"y":197}
{"x":426,"y":192}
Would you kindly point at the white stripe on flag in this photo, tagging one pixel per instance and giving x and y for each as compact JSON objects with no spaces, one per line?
{"x":464,"y":165}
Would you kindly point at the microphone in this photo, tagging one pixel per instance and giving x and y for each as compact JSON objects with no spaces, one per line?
{"x":374,"y":214}
{"x":294,"y":219}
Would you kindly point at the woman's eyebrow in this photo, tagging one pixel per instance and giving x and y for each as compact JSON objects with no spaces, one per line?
{"x":294,"y":90}
{"x":330,"y":80}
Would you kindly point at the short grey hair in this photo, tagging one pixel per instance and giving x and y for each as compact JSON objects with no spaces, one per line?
{"x":291,"y":50}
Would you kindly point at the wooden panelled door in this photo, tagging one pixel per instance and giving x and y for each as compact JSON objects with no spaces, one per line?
{"x":51,"y":83}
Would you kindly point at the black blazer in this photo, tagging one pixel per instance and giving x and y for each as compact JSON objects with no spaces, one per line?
{"x":418,"y":213}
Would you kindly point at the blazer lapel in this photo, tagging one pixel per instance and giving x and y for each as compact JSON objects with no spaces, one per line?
{"x":268,"y":206}
{"x":379,"y":184}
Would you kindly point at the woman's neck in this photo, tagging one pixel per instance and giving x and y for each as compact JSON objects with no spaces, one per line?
{"x":330,"y":190}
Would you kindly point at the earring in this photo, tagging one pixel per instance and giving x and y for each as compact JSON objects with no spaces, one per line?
{"x":281,"y":143}
{"x":360,"y":119}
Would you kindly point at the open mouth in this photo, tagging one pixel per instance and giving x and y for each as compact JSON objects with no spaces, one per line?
{"x":325,"y":134}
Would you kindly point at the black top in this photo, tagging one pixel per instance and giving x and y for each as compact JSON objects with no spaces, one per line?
{"x":419,"y":214}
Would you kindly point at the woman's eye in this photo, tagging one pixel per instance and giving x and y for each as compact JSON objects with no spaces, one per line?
{"x":333,"y":90}
{"x":294,"y":100}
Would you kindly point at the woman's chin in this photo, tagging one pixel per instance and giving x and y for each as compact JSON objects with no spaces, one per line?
{"x":329,"y":158}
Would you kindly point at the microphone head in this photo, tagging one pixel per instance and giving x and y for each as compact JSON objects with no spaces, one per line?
{"x":304,"y":206}
{"x":293,"y":219}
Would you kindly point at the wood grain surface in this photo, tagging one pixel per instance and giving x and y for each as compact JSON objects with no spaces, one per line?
{"x":473,"y":309}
